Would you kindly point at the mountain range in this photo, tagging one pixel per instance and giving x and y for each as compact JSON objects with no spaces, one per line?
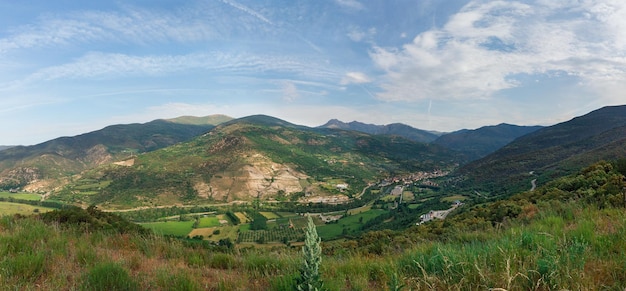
{"x":475,"y":143}
{"x":552,"y":151}
{"x":218,"y":158}
{"x":399,"y":129}
{"x":65,"y":156}
{"x":257,"y":157}
{"x":480,"y":142}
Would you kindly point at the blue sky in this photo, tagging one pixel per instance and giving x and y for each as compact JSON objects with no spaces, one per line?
{"x":70,"y":67}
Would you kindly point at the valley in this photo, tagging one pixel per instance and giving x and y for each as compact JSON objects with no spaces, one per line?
{"x":234,"y":200}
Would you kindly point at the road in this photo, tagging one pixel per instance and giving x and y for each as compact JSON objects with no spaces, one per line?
{"x":533,"y":185}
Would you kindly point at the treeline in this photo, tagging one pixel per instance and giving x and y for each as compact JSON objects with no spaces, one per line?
{"x":153,"y":214}
{"x":233,"y":218}
{"x":49,"y":204}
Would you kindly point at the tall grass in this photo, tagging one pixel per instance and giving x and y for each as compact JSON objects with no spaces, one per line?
{"x":565,"y":246}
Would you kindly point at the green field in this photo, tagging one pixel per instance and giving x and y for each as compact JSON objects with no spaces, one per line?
{"x":286,"y":214}
{"x":359,"y":210}
{"x":177,"y":228}
{"x":270,"y":215}
{"x":350,"y":223}
{"x":453,"y":198}
{"x":22,"y":196}
{"x":10,"y":208}
{"x":209,"y":221}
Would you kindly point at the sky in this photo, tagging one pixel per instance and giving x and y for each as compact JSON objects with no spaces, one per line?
{"x":71,"y":67}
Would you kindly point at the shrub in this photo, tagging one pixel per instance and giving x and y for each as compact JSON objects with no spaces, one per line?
{"x":108,"y":277}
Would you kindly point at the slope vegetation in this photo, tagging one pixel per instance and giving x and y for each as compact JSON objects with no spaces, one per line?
{"x":550,"y":152}
{"x":65,"y":156}
{"x":480,"y":142}
{"x":259,"y":157}
{"x":398,"y":129}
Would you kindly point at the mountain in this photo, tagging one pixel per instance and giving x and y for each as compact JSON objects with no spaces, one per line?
{"x":204,"y":120}
{"x":65,"y":156}
{"x":257,"y":157}
{"x":5,"y":147}
{"x":480,"y":142}
{"x":551,"y":151}
{"x":399,"y":129}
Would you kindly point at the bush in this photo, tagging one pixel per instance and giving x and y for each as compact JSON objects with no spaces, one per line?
{"x":108,"y":277}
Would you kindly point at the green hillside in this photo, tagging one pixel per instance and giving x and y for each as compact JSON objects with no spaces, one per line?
{"x":550,"y":152}
{"x":480,"y":142}
{"x":221,"y":162}
{"x":398,"y":129}
{"x":65,"y":156}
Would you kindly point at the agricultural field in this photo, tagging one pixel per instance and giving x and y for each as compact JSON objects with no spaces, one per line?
{"x":176,"y":228}
{"x":350,"y":223}
{"x":286,"y":214}
{"x":272,"y":235}
{"x":408,"y":196}
{"x":225,"y":232}
{"x":389,"y":198}
{"x":208,"y":221}
{"x":359,"y":210}
{"x":21,"y":196}
{"x":270,"y":215}
{"x":453,"y":198}
{"x":242,"y":217}
{"x":10,"y":208}
{"x":414,"y":206}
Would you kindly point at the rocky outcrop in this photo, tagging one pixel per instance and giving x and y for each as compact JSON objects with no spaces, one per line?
{"x":259,"y":177}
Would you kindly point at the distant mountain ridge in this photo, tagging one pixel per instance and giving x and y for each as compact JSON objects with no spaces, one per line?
{"x":480,"y":142}
{"x":398,"y":129}
{"x":64,"y":156}
{"x":5,"y":147}
{"x":257,"y":157}
{"x":214,"y":119}
{"x":553,"y":151}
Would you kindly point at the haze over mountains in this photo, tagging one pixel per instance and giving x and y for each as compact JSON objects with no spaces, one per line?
{"x":5,"y":147}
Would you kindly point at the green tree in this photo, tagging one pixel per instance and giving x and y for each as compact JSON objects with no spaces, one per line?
{"x":309,"y":273}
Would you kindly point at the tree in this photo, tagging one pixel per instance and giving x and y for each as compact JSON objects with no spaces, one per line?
{"x":309,"y":273}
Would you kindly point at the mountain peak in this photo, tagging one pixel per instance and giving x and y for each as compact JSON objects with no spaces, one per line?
{"x":398,"y":129}
{"x":214,"y":119}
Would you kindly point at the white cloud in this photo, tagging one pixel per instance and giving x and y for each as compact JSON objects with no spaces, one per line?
{"x":290,"y":92}
{"x":357,"y":35}
{"x":355,"y":78}
{"x":482,"y":49}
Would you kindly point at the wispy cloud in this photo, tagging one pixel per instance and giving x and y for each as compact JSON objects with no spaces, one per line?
{"x":482,"y":49}
{"x":352,"y":4}
{"x":355,"y":78}
{"x":97,"y":65}
{"x":247,"y":10}
{"x":132,"y":25}
{"x":290,"y":92}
